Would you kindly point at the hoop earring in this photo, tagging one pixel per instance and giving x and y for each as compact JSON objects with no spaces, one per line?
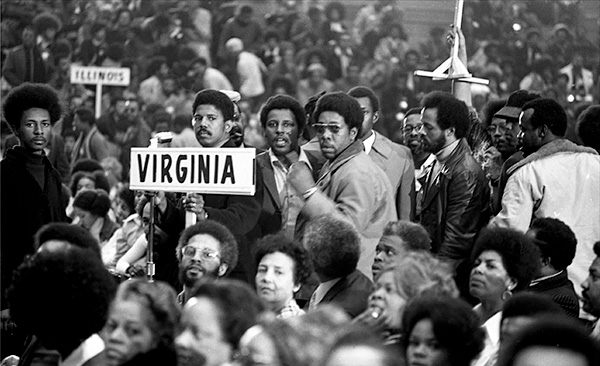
{"x":507,"y":294}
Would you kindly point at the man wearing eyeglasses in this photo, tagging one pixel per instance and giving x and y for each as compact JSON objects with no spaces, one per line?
{"x":349,"y":184}
{"x":206,"y":250}
{"x":504,"y":129}
{"x":411,"y":134}
{"x":212,"y":122}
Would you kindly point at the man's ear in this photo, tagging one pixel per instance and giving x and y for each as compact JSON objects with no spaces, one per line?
{"x":354,"y":133}
{"x":228,"y":126}
{"x":375,"y":117}
{"x":296,"y":287}
{"x":450,"y":131}
{"x":223,"y":267}
{"x":512,"y":283}
{"x":543,"y":131}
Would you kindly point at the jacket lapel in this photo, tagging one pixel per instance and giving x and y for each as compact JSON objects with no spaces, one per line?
{"x":269,"y":177}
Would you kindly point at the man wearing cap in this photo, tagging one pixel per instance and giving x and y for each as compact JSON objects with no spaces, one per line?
{"x":505,"y":152}
{"x":555,"y":179}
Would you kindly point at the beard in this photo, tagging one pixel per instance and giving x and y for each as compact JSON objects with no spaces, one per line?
{"x":191,"y":281}
{"x":435,"y":145}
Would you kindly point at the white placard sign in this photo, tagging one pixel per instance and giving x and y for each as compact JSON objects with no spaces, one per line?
{"x":202,"y":170}
{"x":100,"y":75}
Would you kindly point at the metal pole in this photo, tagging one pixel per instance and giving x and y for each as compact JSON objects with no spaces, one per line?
{"x":150,"y":250}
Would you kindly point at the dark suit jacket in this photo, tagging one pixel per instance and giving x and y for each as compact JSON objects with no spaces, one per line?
{"x":397,"y":163}
{"x":562,"y":292}
{"x":351,"y":293}
{"x":270,"y":215}
{"x":238,"y":213}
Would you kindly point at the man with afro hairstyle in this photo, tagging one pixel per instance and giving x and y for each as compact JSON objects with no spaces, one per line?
{"x":31,"y":193}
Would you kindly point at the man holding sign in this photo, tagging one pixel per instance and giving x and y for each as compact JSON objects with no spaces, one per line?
{"x":212,"y":122}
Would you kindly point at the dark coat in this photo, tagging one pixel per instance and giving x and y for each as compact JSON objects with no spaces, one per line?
{"x":270,"y":216}
{"x":351,"y":293}
{"x":238,"y":213}
{"x":25,"y":208}
{"x":562,"y":292}
{"x":456,"y":206}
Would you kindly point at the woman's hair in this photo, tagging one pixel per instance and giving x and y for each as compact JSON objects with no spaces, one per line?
{"x":455,"y":326}
{"x":554,"y":332}
{"x":94,"y":201}
{"x":161,"y":301}
{"x":419,"y":273}
{"x":27,"y":96}
{"x":305,"y":340}
{"x":128,"y":196}
{"x":281,"y":243}
{"x":98,"y":177}
{"x":520,"y":256}
{"x":238,"y":306}
{"x":77,"y":290}
{"x":354,"y":336}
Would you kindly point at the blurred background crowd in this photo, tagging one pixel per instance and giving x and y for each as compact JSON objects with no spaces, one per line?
{"x":176,"y":48}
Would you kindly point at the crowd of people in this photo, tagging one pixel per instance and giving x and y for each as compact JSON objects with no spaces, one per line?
{"x":393,"y":222}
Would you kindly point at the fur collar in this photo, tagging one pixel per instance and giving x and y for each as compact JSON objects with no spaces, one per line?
{"x":551,"y":148}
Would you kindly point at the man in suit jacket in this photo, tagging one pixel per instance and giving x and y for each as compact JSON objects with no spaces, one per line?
{"x":558,"y":243}
{"x":394,"y":159}
{"x":213,"y":121}
{"x":283,"y":120}
{"x":334,"y":247}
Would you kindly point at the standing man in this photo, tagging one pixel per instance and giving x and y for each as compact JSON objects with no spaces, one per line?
{"x":31,"y":193}
{"x":24,"y":63}
{"x":555,"y":179}
{"x":395,"y":160}
{"x":213,"y":121}
{"x":411,"y":135}
{"x":206,"y":250}
{"x":349,"y":183}
{"x":455,"y":202}
{"x":90,"y":143}
{"x":283,"y":120}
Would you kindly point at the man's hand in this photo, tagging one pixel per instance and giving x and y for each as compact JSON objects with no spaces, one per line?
{"x":300,"y":177}
{"x":492,"y":166}
{"x":194,"y":202}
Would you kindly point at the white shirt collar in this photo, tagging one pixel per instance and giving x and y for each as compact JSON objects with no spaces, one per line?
{"x":302,"y":157}
{"x":87,"y":350}
{"x":368,"y":142}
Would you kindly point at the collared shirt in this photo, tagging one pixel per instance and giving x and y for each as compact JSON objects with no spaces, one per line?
{"x":291,"y":200}
{"x":289,"y":311}
{"x":368,"y":142}
{"x":87,"y":350}
{"x":491,"y":340}
{"x":320,"y":293}
{"x":538,"y":280}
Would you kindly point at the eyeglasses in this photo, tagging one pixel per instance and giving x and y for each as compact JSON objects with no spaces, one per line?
{"x":321,"y":127}
{"x":205,"y":253}
{"x":410,"y":128}
{"x":502,"y":127}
